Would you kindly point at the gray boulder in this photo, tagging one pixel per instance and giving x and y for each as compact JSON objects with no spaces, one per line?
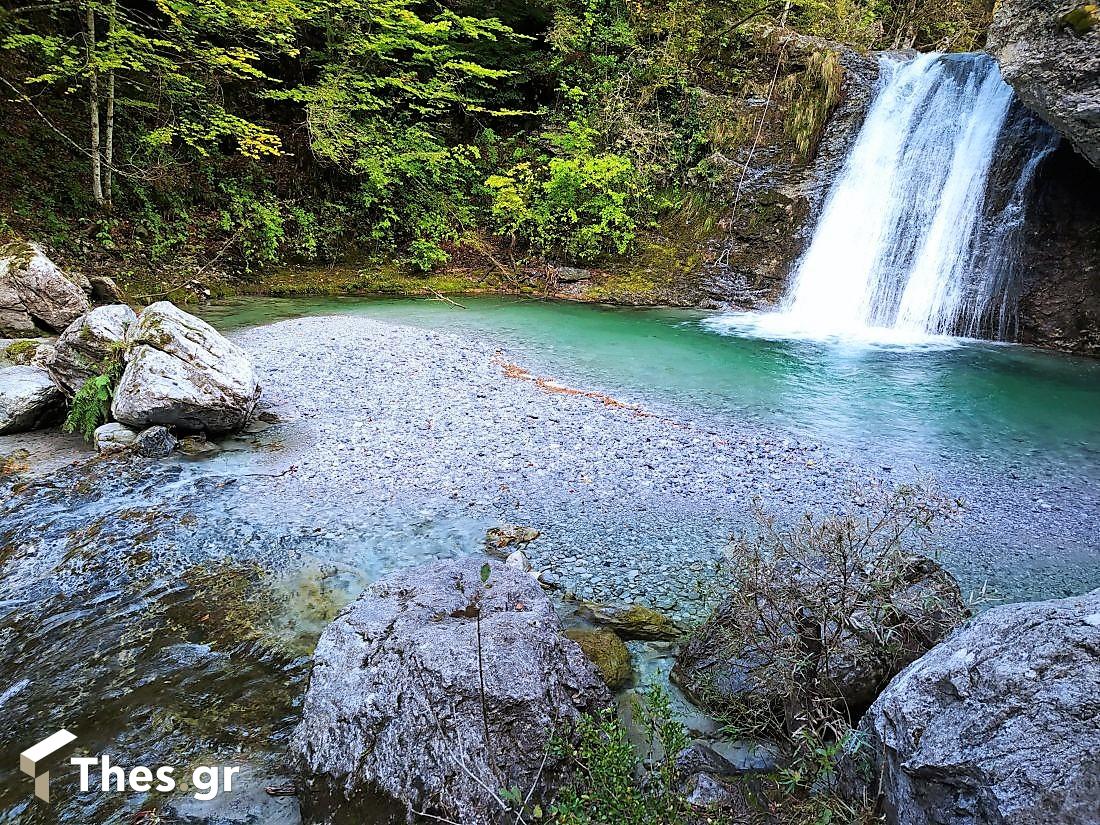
{"x":1049,"y":52}
{"x":114,"y":438}
{"x":180,"y":372}
{"x":32,"y":287}
{"x":395,"y":702}
{"x":998,"y":724}
{"x":88,"y":343}
{"x":28,"y":399}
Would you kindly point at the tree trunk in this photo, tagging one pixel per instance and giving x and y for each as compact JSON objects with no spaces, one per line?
{"x":93,"y":106}
{"x":109,"y":138}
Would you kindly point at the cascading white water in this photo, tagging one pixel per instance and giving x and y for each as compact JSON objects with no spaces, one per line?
{"x":903,"y":250}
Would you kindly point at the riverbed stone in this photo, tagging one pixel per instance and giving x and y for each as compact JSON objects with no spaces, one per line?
{"x":996,"y":724}
{"x":28,"y":399}
{"x":607,"y":652}
{"x":113,"y":438}
{"x":32,"y":286}
{"x":181,"y":373}
{"x":88,"y":344}
{"x":395,"y":702}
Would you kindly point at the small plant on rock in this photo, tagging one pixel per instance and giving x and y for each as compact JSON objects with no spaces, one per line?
{"x":91,"y":406}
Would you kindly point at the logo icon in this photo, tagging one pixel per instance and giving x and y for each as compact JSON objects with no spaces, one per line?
{"x":36,"y":760}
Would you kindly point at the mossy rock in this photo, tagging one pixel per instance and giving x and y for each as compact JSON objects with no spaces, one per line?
{"x":1083,"y":19}
{"x":607,"y":652}
{"x":632,"y":621}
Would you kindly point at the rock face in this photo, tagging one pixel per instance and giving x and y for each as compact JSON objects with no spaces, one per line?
{"x":780,"y":194}
{"x":87,"y":343}
{"x":32,"y":289}
{"x":395,"y":705}
{"x":888,"y":627}
{"x":1049,"y":52}
{"x":28,"y":399}
{"x":1059,"y":304}
{"x":180,"y":372}
{"x":998,"y":723}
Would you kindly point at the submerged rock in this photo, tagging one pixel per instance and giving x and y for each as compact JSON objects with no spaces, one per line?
{"x":113,"y":438}
{"x":632,"y":621}
{"x":997,"y":724}
{"x":32,"y":288}
{"x":181,"y":373}
{"x":395,"y":702}
{"x":899,"y":614}
{"x":155,"y":442}
{"x":607,"y":652}
{"x":1050,"y":54}
{"x":499,"y":538}
{"x":88,"y":344}
{"x":28,"y":400}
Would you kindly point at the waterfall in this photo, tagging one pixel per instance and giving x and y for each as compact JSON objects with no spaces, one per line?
{"x":911,"y":244}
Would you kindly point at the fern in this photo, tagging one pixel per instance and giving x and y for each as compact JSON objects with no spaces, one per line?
{"x":92,"y":403}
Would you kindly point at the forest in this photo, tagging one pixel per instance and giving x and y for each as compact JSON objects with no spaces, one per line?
{"x":152,"y":140}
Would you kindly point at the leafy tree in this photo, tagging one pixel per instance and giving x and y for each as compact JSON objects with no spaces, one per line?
{"x":171,"y":68}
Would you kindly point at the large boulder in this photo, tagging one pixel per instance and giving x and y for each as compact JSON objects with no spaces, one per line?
{"x":180,"y":372}
{"x":33,"y":288}
{"x":876,"y":622}
{"x":28,"y":399}
{"x":88,"y":343}
{"x":998,"y":724}
{"x":1049,"y":51}
{"x":395,"y":701}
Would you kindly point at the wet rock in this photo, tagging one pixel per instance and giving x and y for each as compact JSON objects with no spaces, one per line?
{"x":28,"y":400}
{"x":499,"y":538}
{"x":633,"y":621}
{"x":88,"y":343}
{"x":395,"y":704}
{"x":607,"y":652}
{"x":898,"y":618}
{"x":155,"y":442}
{"x":1050,"y":54}
{"x":181,"y":373}
{"x":31,"y":286}
{"x":197,"y":445}
{"x":998,"y":723}
{"x":114,"y":438}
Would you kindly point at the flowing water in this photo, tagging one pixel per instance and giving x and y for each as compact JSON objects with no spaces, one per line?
{"x":912,"y":245}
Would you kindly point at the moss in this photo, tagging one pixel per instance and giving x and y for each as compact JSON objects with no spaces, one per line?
{"x":1082,"y":19}
{"x":607,"y":652}
{"x":21,"y":352}
{"x":813,"y":94}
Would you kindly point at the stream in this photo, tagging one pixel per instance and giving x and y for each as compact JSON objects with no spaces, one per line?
{"x":164,"y":611}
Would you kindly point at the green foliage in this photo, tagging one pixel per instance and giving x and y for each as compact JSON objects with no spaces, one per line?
{"x":91,"y":406}
{"x":606,"y":787}
{"x":579,"y":206}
